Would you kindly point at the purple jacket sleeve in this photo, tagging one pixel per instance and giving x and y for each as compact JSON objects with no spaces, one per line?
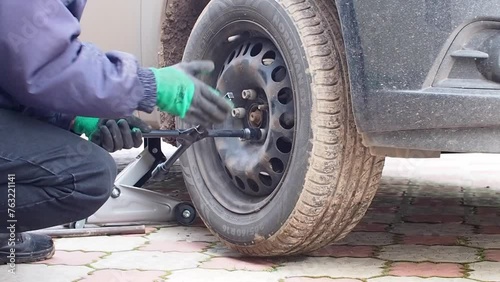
{"x":45,"y":66}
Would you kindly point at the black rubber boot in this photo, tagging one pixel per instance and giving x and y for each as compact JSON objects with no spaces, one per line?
{"x":27,"y":247}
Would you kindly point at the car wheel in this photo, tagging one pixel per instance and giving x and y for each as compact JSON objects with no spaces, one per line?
{"x":310,"y":179}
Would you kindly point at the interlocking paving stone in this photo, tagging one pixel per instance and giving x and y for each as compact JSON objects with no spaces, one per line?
{"x":429,"y":240}
{"x":344,"y":251}
{"x":147,"y":260}
{"x":436,"y":202}
{"x":216,"y":275}
{"x":382,"y":210}
{"x":417,"y":279}
{"x":426,"y":229}
{"x":184,"y":253}
{"x":252,"y":264}
{"x":308,"y":279}
{"x":379,"y":217}
{"x":44,"y":273}
{"x":483,"y":220}
{"x":221,"y":250}
{"x":416,"y":210}
{"x":99,"y":244}
{"x":483,"y":200}
{"x":367,"y":238}
{"x":484,"y":241}
{"x":488,"y":211}
{"x":493,"y":255}
{"x":171,"y":246}
{"x":370,"y":227}
{"x":485,"y":271}
{"x":332,"y":267}
{"x":433,"y":218}
{"x":418,"y":253}
{"x":489,"y":230}
{"x":426,"y":269}
{"x":73,"y":258}
{"x":181,"y":233}
{"x":112,"y":275}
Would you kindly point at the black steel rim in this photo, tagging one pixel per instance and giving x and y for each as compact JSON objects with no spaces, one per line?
{"x":244,"y":176}
{"x":256,"y":76}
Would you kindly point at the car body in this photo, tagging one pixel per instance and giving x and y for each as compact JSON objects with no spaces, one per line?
{"x":409,"y":89}
{"x":132,"y":26}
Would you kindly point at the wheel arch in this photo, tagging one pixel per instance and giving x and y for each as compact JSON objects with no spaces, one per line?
{"x":179,"y":17}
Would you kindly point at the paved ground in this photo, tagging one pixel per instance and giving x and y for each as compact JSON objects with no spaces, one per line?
{"x":432,"y":220}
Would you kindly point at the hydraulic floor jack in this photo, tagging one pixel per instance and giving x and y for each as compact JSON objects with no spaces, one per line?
{"x":131,"y":204}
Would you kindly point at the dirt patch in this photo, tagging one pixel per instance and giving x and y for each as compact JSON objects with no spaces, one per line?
{"x":180,"y":17}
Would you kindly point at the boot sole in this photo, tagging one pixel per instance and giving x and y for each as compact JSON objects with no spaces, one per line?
{"x":27,"y":258}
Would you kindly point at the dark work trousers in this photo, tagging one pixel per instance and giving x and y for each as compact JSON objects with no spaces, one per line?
{"x":55,"y":176}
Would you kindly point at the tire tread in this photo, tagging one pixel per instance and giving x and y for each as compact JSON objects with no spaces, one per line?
{"x":330,"y":205}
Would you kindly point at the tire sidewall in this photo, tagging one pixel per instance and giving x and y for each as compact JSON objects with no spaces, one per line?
{"x":249,"y":229}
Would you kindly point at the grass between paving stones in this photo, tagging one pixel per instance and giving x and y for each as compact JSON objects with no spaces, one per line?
{"x":462,"y":241}
{"x":481,"y":256}
{"x":386,"y":268}
{"x":167,"y":273}
{"x":211,"y":245}
{"x":106,"y":254}
{"x":466,"y":270}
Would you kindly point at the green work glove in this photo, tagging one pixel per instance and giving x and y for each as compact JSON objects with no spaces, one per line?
{"x":112,"y":135}
{"x":181,"y":94}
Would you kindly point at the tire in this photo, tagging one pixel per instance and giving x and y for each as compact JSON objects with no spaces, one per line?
{"x":331,"y":177}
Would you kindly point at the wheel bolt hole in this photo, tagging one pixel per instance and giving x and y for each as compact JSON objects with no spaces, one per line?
{"x":253,"y":185}
{"x":287,"y":121}
{"x":269,"y":58}
{"x":256,"y":50}
{"x":240,"y":183}
{"x":228,"y":172}
{"x":279,"y":74}
{"x":239,"y":50}
{"x":284,"y":145}
{"x":265,"y":178}
{"x":285,"y":96}
{"x":231,"y":57}
{"x":277,"y":165}
{"x":246,"y":48}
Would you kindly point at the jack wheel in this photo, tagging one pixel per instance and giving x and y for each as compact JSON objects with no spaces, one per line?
{"x":185,"y":214}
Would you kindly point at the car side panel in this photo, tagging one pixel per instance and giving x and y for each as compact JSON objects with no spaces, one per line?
{"x":393,"y":48}
{"x":132,"y":26}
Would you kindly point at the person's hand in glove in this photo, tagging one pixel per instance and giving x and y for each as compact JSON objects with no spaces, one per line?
{"x":112,"y":135}
{"x":180,"y":93}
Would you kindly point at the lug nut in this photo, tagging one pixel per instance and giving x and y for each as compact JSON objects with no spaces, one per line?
{"x":263,"y":107}
{"x":239,"y":113}
{"x":249,"y":94}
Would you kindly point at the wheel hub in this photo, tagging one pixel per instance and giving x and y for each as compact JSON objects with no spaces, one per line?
{"x":255,"y":73}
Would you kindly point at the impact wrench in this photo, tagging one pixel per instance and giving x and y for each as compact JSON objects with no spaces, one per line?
{"x":187,"y":137}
